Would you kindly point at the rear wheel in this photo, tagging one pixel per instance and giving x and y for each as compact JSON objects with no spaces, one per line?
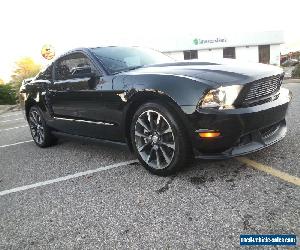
{"x":40,"y":132}
{"x":158,"y":139}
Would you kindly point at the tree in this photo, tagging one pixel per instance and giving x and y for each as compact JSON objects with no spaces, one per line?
{"x":1,"y":82}
{"x":296,"y":71}
{"x":25,"y":68}
{"x":7,"y":94}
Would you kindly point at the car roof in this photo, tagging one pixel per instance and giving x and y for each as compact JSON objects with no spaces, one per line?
{"x":82,"y":49}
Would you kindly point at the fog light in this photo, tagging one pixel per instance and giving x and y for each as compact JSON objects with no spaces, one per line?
{"x":210,"y":134}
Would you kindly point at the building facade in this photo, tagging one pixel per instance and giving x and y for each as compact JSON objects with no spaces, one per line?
{"x":262,"y":47}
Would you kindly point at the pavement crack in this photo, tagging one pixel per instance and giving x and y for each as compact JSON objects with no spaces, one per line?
{"x":166,"y":186}
{"x":215,"y":195}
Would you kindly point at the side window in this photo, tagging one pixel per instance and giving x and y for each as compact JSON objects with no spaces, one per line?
{"x":74,"y":65}
{"x":46,"y":74}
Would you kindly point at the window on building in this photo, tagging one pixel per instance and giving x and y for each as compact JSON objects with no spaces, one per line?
{"x":264,"y":53}
{"x":190,"y":54}
{"x":229,"y":52}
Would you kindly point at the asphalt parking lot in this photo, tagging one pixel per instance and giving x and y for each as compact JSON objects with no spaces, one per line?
{"x":206,"y":206}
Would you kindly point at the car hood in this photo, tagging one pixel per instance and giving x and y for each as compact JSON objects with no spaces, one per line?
{"x":221,"y":72}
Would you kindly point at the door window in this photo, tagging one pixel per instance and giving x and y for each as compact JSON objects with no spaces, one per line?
{"x":75,"y":65}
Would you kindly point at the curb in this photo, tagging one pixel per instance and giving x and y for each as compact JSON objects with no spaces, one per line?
{"x":12,"y":107}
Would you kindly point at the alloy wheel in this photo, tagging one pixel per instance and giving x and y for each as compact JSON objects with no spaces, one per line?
{"x":154,"y":139}
{"x":36,"y":127}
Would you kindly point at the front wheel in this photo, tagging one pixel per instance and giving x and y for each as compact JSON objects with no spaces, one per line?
{"x":40,"y":132}
{"x":159,"y":139}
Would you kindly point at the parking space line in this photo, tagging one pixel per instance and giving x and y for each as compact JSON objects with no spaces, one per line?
{"x":13,"y":120}
{"x":67,"y":177}
{"x":13,"y":144}
{"x":275,"y":172}
{"x":6,"y":129}
{"x":2,"y":116}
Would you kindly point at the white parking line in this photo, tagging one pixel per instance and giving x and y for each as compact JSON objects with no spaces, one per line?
{"x":64,"y":178}
{"x":13,"y":144}
{"x":6,"y":129}
{"x":13,"y":120}
{"x":10,"y":115}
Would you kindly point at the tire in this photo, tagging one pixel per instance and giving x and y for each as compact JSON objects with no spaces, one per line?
{"x":40,"y":131}
{"x":159,"y":139}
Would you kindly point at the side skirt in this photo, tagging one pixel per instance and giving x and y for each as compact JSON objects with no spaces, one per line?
{"x":89,"y":139}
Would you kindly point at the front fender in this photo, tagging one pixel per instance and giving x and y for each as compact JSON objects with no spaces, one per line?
{"x":183,"y":90}
{"x":32,"y":94}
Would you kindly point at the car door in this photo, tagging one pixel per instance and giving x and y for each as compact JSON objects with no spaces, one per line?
{"x":76,"y":97}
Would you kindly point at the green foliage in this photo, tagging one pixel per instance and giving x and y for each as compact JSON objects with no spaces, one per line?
{"x":296,"y":71}
{"x":7,"y":94}
{"x":25,"y":68}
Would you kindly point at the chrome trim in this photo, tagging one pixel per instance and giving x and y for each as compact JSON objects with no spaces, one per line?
{"x":73,"y":80}
{"x":91,"y":122}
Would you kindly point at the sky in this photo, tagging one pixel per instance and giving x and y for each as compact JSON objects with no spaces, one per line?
{"x":25,"y":26}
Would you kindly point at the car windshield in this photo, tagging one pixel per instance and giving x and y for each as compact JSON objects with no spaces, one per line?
{"x":118,"y":59}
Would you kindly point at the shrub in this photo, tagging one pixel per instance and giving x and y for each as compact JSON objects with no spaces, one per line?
{"x":7,"y":95}
{"x":296,"y":71}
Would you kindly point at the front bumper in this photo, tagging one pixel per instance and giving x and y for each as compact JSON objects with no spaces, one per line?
{"x":243,"y":130}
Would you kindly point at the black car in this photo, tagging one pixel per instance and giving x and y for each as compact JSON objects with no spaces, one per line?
{"x":166,"y":111}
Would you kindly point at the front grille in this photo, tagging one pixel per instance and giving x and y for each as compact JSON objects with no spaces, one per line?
{"x":263,"y":87}
{"x":269,"y":131}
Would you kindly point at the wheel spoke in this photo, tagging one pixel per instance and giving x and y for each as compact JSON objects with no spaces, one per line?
{"x":140,"y":121}
{"x":149,"y":156}
{"x":158,"y":122}
{"x":157,"y":159}
{"x":34,"y":117}
{"x":34,"y":132}
{"x":141,"y":148}
{"x":42,"y":130}
{"x":140,"y":134}
{"x":42,"y":135}
{"x":169,"y":145}
{"x":167,"y":158}
{"x":38,"y":137}
{"x":168,"y":130}
{"x":32,"y":120}
{"x":150,"y":119}
{"x":39,"y":119}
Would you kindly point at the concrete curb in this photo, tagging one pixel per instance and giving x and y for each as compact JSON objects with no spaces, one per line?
{"x":6,"y":108}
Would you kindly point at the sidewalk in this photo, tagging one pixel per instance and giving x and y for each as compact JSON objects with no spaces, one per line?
{"x":6,"y":108}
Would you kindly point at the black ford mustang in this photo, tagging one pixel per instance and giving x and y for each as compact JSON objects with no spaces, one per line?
{"x":166,"y":111}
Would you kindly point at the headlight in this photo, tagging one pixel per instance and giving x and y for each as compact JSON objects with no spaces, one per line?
{"x":221,"y":98}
